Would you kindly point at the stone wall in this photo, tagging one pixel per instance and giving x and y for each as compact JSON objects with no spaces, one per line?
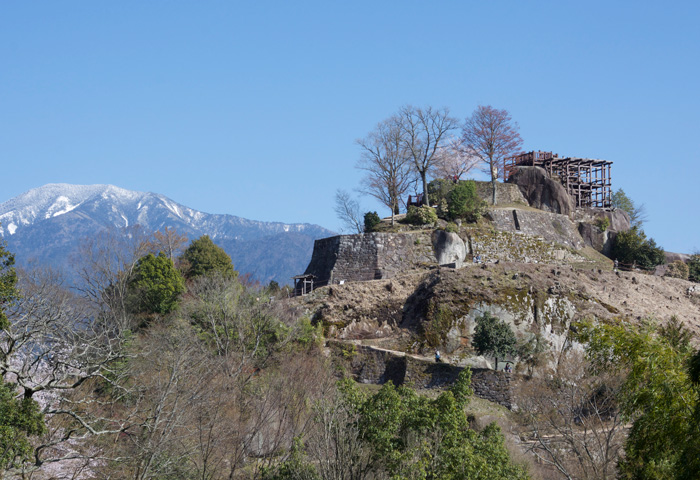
{"x":512,"y":247}
{"x":369,"y":256}
{"x":372,"y":365}
{"x":518,"y":236}
{"x":552,"y":227}
{"x":506,"y":193}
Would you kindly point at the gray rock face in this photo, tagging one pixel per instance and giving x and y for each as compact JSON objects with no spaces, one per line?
{"x":449,"y":248}
{"x":542,"y":192}
{"x":592,"y":235}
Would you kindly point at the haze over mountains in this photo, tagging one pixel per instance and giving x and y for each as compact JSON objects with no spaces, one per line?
{"x":46,"y":224}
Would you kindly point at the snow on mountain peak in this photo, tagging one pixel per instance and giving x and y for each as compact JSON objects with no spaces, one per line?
{"x":55,"y":199}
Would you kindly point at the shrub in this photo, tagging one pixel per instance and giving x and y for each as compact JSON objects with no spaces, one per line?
{"x":463,"y":202}
{"x":633,"y":247}
{"x":603,"y":223}
{"x":677,"y":269}
{"x":451,"y":227}
{"x":371,"y":221}
{"x":442,"y":209}
{"x":439,"y":189}
{"x":423,"y":215}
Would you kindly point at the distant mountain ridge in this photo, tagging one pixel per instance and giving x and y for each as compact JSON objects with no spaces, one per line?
{"x":47,"y":223}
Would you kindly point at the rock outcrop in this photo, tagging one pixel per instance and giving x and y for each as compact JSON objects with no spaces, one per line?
{"x":542,"y":192}
{"x":449,"y":248}
{"x":593,"y":235}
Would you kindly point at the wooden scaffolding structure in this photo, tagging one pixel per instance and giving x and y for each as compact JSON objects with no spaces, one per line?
{"x":588,"y":181}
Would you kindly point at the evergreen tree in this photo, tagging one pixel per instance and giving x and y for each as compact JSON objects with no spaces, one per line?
{"x":493,"y":336}
{"x":157,"y":284}
{"x":463,"y":202}
{"x":203,"y":257}
{"x":633,"y":247}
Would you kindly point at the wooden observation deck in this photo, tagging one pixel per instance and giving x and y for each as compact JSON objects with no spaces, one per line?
{"x":588,"y":181}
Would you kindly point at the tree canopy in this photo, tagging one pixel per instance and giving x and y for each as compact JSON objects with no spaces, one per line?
{"x":401,"y":434}
{"x":491,"y":135}
{"x":660,"y":395}
{"x":637,"y":213}
{"x":8,"y":282}
{"x":633,"y":248}
{"x":157,"y":284}
{"x":424,"y":133}
{"x":387,"y":163}
{"x":203,"y":257}
{"x":493,"y":336}
{"x":20,"y":417}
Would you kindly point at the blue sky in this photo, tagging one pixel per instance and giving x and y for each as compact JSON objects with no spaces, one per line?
{"x":252,"y":108}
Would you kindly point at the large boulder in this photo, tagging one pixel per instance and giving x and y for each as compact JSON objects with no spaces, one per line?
{"x":589,"y":227}
{"x":449,"y":248}
{"x":542,"y":192}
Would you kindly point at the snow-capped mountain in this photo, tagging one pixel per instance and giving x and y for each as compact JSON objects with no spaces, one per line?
{"x":47,"y":224}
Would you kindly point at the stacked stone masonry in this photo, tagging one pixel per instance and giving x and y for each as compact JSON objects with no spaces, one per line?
{"x":377,"y":366}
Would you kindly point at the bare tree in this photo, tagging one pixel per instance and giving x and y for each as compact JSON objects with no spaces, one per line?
{"x":348,"y":211}
{"x":169,"y":241}
{"x":105,"y":264}
{"x":491,"y":135}
{"x":455,"y":160}
{"x":573,"y":424}
{"x":424,"y":132}
{"x":387,"y":164}
{"x":55,"y":346}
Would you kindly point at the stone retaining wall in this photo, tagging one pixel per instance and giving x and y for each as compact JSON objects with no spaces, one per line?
{"x":372,"y":365}
{"x":505,"y":193}
{"x":369,"y":256}
{"x":517,"y":236}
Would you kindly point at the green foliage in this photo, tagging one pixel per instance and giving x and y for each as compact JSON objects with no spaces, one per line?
{"x":463,"y":202}
{"x":439,"y":189}
{"x":603,"y":223}
{"x":20,"y":419}
{"x":412,"y":436}
{"x":403,"y":435}
{"x":677,"y":269}
{"x":451,"y":228}
{"x":156,"y":284}
{"x":694,"y":268}
{"x":658,"y":395}
{"x":228,"y":318}
{"x":371,"y":221}
{"x":423,"y":215}
{"x":493,"y":336}
{"x":273,"y":288}
{"x":637,"y":213}
{"x":442,"y":210}
{"x":309,"y":334}
{"x":633,"y":247}
{"x":8,"y":283}
{"x":203,"y":257}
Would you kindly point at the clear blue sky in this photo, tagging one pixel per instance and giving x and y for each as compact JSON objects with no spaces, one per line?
{"x":252,"y":108}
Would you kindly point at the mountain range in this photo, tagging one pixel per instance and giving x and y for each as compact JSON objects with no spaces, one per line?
{"x":47,"y":224}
